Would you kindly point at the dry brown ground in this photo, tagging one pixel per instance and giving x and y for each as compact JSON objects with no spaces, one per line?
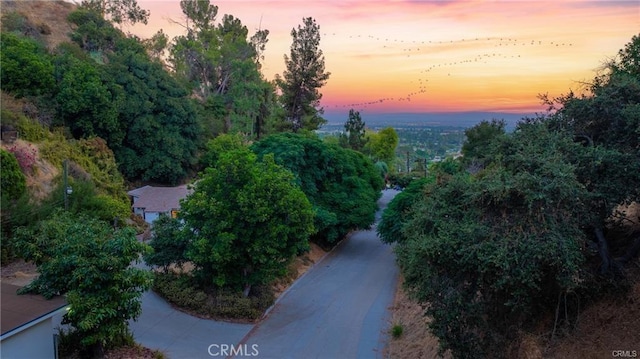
{"x":608,"y":325}
{"x":44,"y":15}
{"x":416,"y":341}
{"x":18,"y":273}
{"x":604,"y":327}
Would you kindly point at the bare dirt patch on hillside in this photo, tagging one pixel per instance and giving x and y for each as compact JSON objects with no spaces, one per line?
{"x":40,"y":180}
{"x":18,"y":273}
{"x":612,"y":324}
{"x":48,"y":19}
{"x":416,"y":341}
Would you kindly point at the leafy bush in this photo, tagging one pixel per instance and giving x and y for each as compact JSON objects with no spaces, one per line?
{"x":13,"y":196}
{"x":70,"y":344}
{"x":398,"y":211}
{"x":14,"y":22}
{"x":13,"y":182}
{"x":26,"y":67}
{"x":31,"y":130}
{"x":396,"y":331}
{"x":400,"y":179}
{"x":169,"y":243}
{"x":93,"y":156}
{"x":219,"y":303}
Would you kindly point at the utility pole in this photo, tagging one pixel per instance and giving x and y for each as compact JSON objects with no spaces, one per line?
{"x":64,"y":188}
{"x":407,"y":161}
{"x":426,"y":169}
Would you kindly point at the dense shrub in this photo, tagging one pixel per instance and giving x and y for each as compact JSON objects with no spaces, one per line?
{"x":218,"y":303}
{"x":13,"y":183}
{"x":26,"y":67}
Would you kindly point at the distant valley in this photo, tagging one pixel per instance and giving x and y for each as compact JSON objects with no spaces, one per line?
{"x":336,"y":120}
{"x":423,"y":136}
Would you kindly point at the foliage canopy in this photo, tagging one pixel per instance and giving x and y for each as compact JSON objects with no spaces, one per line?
{"x":90,"y":262}
{"x":342,"y":185}
{"x":303,"y":77}
{"x":247,"y":220}
{"x":494,"y":248}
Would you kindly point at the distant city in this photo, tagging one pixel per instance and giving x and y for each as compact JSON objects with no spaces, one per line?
{"x":428,"y":119}
{"x":423,"y":137}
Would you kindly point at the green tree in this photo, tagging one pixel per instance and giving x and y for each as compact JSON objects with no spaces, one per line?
{"x":606,"y":121}
{"x":220,"y":145}
{"x":85,"y":200}
{"x":157,"y":45}
{"x":119,"y":11}
{"x":170,"y":242}
{"x":493,"y":251}
{"x":26,"y":66}
{"x":381,"y":146}
{"x":247,"y":220}
{"x":399,"y":211}
{"x":507,"y":245}
{"x":343,"y":185}
{"x":13,"y":197}
{"x":90,"y":263}
{"x":304,"y":76}
{"x":162,"y":130}
{"x":91,"y":109}
{"x":479,"y":138}
{"x":628,"y":59}
{"x":93,"y":33}
{"x":354,"y":136}
{"x":156,"y":132}
{"x":222,"y":65}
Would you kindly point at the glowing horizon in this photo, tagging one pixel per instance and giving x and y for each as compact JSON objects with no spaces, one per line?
{"x":436,"y":56}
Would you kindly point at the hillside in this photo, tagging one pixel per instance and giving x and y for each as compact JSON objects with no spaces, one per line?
{"x":602,"y":328}
{"x":45,"y":20}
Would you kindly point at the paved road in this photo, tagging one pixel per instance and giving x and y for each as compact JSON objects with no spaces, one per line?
{"x":179,"y":335}
{"x":339,"y":309}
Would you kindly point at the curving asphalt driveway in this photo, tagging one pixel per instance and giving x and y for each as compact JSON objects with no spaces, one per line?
{"x":338,"y":309}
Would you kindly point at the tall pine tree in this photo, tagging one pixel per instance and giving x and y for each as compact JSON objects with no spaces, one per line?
{"x":303,"y":77}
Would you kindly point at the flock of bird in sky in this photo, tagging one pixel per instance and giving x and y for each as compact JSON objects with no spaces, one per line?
{"x":493,"y":48}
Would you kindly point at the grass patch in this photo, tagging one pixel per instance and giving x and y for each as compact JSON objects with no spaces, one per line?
{"x":214,"y":303}
{"x":396,"y":331}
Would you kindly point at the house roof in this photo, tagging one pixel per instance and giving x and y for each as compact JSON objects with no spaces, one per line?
{"x":159,"y":199}
{"x":22,"y":311}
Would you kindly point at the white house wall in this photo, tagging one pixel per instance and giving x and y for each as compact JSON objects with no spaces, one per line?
{"x":35,"y":342}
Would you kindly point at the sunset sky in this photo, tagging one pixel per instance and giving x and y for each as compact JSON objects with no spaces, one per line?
{"x":436,"y":56}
